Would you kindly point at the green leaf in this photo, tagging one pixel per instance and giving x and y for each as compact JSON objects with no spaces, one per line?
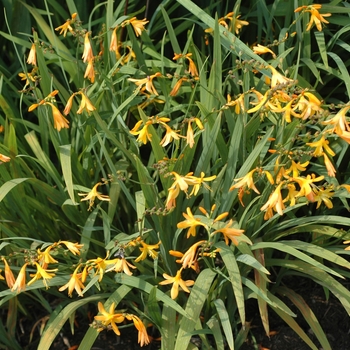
{"x":65,"y":159}
{"x":54,"y":326}
{"x":234,"y":276}
{"x":194,"y":306}
{"x":225,"y":322}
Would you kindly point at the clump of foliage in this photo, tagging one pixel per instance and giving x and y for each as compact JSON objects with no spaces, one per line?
{"x":161,"y":170}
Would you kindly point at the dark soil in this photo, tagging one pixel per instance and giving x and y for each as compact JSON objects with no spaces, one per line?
{"x":332,"y":316}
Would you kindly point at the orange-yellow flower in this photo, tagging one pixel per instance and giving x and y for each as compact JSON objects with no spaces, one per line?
{"x":92,"y":195}
{"x":85,"y":104}
{"x":169,"y":136}
{"x":190,"y":135}
{"x":238,"y":24}
{"x":45,"y":257}
{"x":59,"y":121}
{"x":320,"y":146}
{"x":324,"y":195}
{"x":339,"y":122}
{"x":295,"y":168}
{"x":74,"y":283}
{"x":177,"y":282}
{"x":143,"y":338}
{"x":246,"y":181}
{"x":42,"y":273}
{"x":229,"y":233}
{"x":109,"y":318}
{"x":189,"y":258}
{"x":122,"y":265}
{"x":87,"y":53}
{"x":260,"y":49}
{"x":191,"y":65}
{"x":148,"y":82}
{"x":238,"y":103}
{"x":90,"y":71}
{"x":4,"y":158}
{"x":67,"y":26}
{"x":277,"y":78}
{"x":329,"y":166}
{"x":143,"y":134}
{"x":306,"y":185}
{"x":138,"y":25}
{"x":274,"y":202}
{"x":74,"y":248}
{"x":32,"y":55}
{"x":191,"y":223}
{"x":20,"y":283}
{"x":148,"y":249}
{"x":177,"y":86}
{"x":316,"y":18}
{"x":198,"y":181}
{"x":9,"y":277}
{"x":28,"y":77}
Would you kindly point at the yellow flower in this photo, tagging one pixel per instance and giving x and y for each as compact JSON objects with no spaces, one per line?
{"x":347,"y":242}
{"x":100,"y":265}
{"x":260,"y":49}
{"x":339,"y":122}
{"x":229,"y":233}
{"x":91,"y":196}
{"x":329,"y":166}
{"x":74,"y":283}
{"x":169,"y":136}
{"x":237,"y":103}
{"x":20,"y":283}
{"x":122,"y":265}
{"x":316,"y":18}
{"x":292,"y":194}
{"x":262,"y":100}
{"x":191,"y":65}
{"x":143,"y":338}
{"x":90,"y":72}
{"x":148,"y":82}
{"x":173,"y":192}
{"x":177,"y":86}
{"x":295,"y":168}
{"x":87,"y":53}
{"x":29,"y":77}
{"x":59,"y":121}
{"x":238,"y":24}
{"x":74,"y":248}
{"x":138,"y":25}
{"x":109,"y":318}
{"x":42,"y":273}
{"x":274,"y":202}
{"x":190,"y":135}
{"x":148,"y":249}
{"x":67,"y":26}
{"x":307,"y":107}
{"x":324,"y":195}
{"x":320,"y":146}
{"x":246,"y":181}
{"x":306,"y":185}
{"x":177,"y":282}
{"x":85,"y":104}
{"x":191,"y":223}
{"x":190,"y":257}
{"x":198,"y":181}
{"x":45,"y":257}
{"x":4,"y":158}
{"x":9,"y":277}
{"x":32,"y":55}
{"x":143,"y":134}
{"x":278,"y":78}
